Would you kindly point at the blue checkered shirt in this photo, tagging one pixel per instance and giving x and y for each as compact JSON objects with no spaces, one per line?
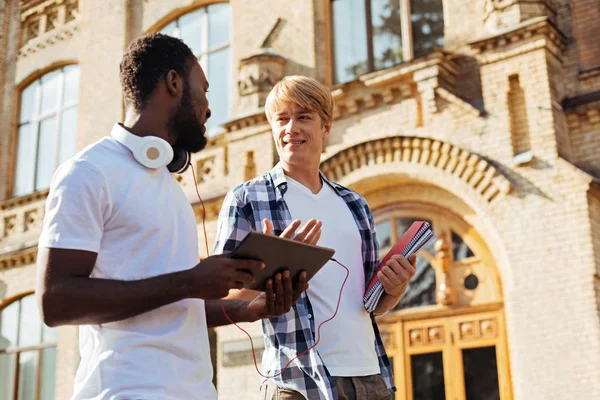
{"x":243,"y":210}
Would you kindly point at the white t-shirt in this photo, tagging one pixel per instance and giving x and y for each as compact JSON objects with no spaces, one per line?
{"x":347,"y":344}
{"x":141,"y":224}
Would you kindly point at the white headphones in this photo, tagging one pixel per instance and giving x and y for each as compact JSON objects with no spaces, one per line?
{"x":152,"y":151}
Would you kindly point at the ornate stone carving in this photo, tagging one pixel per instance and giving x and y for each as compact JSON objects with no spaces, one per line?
{"x":467,"y":330}
{"x":416,"y":337}
{"x":436,"y":334}
{"x":444,"y":293}
{"x":258,"y":74}
{"x":206,"y":170}
{"x":46,"y":22}
{"x":476,"y":172}
{"x":486,"y":328}
{"x":30,"y":220}
{"x":505,"y":13}
{"x":10,"y":225}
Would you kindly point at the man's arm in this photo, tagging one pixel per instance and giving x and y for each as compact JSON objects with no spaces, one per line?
{"x":233,"y":225}
{"x":68,"y":296}
{"x":394,"y":276}
{"x":276,"y":300}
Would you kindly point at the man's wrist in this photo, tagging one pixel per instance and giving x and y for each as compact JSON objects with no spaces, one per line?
{"x":182,"y":285}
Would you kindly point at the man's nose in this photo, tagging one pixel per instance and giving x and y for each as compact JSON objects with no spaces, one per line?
{"x":291,"y":126}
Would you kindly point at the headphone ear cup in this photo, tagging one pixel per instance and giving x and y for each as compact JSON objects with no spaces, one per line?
{"x":181,"y":161}
{"x":153,"y":152}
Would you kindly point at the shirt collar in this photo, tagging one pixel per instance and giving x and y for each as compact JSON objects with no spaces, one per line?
{"x":281,"y":185}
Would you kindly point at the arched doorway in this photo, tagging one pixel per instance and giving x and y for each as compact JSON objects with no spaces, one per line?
{"x":447,"y":337}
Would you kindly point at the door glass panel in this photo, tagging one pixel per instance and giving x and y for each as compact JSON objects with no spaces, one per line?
{"x":219,"y":77}
{"x":9,"y":325}
{"x":28,"y":364}
{"x":481,"y":373}
{"x":427,"y":18}
{"x":30,"y":328}
{"x":190,"y":30}
{"x":48,"y":376}
{"x":460,"y":249}
{"x":47,"y":150}
{"x":218,"y":25}
{"x":383,"y":232}
{"x":349,"y":39}
{"x":50,"y":86}
{"x":26,"y":150}
{"x":387,"y":36}
{"x":7,"y":375}
{"x":428,"y":376}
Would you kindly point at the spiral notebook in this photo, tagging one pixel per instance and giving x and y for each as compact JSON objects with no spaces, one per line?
{"x":417,"y":236}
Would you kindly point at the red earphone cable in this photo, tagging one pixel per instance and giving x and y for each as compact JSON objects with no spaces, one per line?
{"x":242,"y":329}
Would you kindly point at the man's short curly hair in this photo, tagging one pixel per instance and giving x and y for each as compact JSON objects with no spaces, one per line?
{"x":147,"y":60}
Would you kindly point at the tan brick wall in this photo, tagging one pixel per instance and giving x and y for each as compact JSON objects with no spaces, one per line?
{"x":246,"y":380}
{"x":22,"y":280}
{"x":585,"y":136}
{"x":100,"y":104}
{"x":594,"y":215}
{"x":586,"y":27}
{"x":544,"y":235}
{"x":8,"y":53}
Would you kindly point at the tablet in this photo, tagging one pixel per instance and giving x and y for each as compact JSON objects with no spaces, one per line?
{"x":279,"y":254}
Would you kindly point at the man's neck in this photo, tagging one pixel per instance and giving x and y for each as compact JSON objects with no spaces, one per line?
{"x":146,"y":124}
{"x":308,"y":177}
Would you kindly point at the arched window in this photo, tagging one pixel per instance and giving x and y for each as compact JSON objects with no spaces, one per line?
{"x":369,"y":35}
{"x":207,"y":32}
{"x":446,"y":337}
{"x":27,"y":352}
{"x":47,"y":128}
{"x":465,"y":256}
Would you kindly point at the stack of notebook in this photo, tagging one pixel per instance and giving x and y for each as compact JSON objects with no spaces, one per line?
{"x":417,"y":236}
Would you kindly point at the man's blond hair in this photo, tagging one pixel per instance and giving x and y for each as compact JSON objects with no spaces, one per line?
{"x":306,"y":92}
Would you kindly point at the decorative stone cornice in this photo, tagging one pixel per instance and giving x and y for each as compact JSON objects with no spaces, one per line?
{"x":18,"y":258}
{"x":458,"y":102}
{"x":244,"y":121}
{"x":420,"y":78}
{"x":503,"y":13}
{"x":524,"y":33}
{"x":23,"y":200}
{"x":469,"y":167}
{"x":44,"y":23}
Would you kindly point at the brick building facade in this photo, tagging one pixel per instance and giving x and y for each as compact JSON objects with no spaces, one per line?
{"x":481,"y":116}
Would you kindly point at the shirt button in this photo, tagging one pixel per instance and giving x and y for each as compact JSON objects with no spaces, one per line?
{"x":309,"y":316}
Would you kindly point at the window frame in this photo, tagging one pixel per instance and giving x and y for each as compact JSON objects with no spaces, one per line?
{"x":36,"y":118}
{"x":406,"y":36}
{"x":202,"y":57}
{"x":18,"y":350}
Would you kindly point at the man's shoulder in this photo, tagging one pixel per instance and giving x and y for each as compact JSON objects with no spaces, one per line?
{"x":250,"y":188}
{"x":345,"y":191}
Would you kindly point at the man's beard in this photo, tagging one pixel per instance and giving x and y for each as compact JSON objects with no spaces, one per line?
{"x":186,"y":127}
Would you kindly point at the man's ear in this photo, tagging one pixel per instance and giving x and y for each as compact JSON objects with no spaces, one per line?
{"x":327,"y":131}
{"x":174,"y":82}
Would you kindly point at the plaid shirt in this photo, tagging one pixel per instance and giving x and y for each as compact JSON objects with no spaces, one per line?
{"x":292,"y":333}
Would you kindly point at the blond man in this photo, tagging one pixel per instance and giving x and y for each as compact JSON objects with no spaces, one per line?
{"x":349,"y":361}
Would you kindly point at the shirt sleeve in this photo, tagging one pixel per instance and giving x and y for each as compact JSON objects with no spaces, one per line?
{"x":233,"y":224}
{"x":76,"y":208}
